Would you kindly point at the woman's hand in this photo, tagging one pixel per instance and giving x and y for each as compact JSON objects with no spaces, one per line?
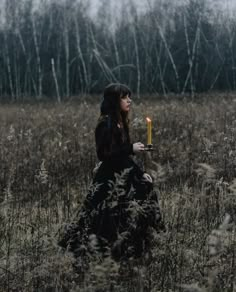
{"x":147,"y":177}
{"x":138,"y":147}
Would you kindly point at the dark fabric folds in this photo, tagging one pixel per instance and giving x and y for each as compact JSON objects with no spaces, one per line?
{"x":121,"y":210}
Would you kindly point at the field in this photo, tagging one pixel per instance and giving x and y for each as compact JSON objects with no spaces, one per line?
{"x":47,"y":155}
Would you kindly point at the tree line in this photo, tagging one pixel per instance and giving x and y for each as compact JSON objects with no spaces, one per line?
{"x":57,"y":50}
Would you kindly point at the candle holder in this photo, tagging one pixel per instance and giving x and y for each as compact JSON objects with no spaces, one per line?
{"x":148,"y":147}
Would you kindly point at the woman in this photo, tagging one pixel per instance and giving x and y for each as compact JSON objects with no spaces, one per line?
{"x":121,"y":209}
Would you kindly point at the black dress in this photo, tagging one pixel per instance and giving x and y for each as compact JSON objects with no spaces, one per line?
{"x":121,"y":210}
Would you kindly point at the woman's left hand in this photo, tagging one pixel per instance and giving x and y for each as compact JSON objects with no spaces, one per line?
{"x":147,"y":177}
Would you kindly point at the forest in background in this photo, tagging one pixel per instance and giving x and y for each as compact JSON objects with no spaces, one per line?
{"x":57,"y":50}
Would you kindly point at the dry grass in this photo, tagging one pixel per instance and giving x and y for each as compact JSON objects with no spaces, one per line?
{"x":47,"y":156}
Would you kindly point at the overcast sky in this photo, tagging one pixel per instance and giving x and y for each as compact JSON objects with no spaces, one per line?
{"x":143,"y":4}
{"x":228,"y":6}
{"x":140,"y":4}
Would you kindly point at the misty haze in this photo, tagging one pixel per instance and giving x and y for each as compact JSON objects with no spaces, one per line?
{"x":117,"y":145}
{"x":63,"y":48}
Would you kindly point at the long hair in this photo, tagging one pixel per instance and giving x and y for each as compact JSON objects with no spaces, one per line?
{"x":110,"y":105}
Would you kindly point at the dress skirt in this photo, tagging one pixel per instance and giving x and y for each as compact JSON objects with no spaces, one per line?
{"x":117,"y":218}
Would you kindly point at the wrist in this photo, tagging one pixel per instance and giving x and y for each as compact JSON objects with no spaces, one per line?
{"x":132,"y":149}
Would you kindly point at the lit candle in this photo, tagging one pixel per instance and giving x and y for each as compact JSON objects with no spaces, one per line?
{"x":149,"y":131}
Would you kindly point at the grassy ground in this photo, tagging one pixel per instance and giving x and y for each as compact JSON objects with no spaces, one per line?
{"x":47,"y":155}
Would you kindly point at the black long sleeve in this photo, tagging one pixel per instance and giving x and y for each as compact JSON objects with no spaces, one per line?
{"x":109,"y":145}
{"x":113,"y":149}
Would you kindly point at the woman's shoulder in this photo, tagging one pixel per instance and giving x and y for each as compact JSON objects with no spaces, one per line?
{"x":103,"y":122}
{"x":102,"y":125}
{"x":103,"y":119}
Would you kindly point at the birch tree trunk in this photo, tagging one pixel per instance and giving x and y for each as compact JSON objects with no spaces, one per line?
{"x":17,"y":77}
{"x":55,"y":80}
{"x":137,"y":60}
{"x":81,"y":57}
{"x":117,"y":58}
{"x":9,"y":69}
{"x":39,"y":95}
{"x":67,"y":52}
{"x":158,"y":56}
{"x":171,"y":58}
{"x":191,"y":55}
{"x":28,"y":73}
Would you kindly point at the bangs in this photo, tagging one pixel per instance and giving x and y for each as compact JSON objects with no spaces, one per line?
{"x":116,"y":90}
{"x":124,"y":90}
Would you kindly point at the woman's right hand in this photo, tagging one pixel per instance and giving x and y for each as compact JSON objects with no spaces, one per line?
{"x":146,"y":177}
{"x":138,"y":147}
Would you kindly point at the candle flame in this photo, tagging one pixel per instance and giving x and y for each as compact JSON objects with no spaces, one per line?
{"x":148,"y":119}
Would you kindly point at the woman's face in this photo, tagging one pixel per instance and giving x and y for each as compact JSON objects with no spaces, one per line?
{"x":125,"y":103}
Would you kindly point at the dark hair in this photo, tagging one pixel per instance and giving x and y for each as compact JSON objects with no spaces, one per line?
{"x":111,"y":98}
{"x":110,"y":105}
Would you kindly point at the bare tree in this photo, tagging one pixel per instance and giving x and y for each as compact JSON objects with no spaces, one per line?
{"x":137,"y":60}
{"x":40,"y":76}
{"x":168,"y":51}
{"x":160,"y":49}
{"x":27,"y":55}
{"x":9,"y":69}
{"x":66,"y":25}
{"x":84,"y":75}
{"x":191,"y":54}
{"x":55,"y":80}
